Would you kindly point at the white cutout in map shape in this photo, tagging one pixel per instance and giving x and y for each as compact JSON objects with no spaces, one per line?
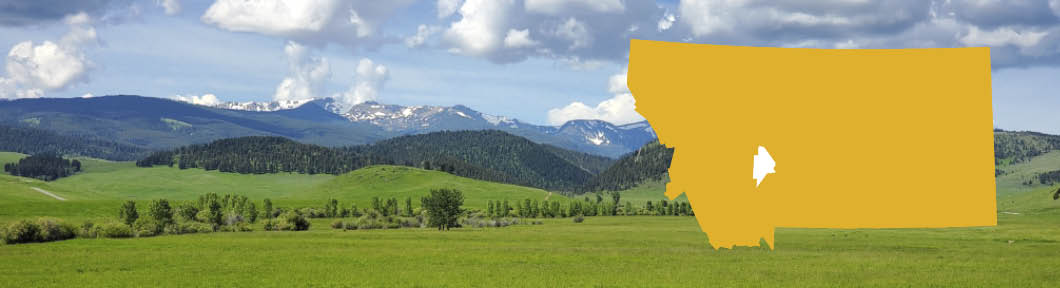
{"x":763,"y":165}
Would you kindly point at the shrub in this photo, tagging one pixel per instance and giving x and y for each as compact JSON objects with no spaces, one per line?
{"x":240,"y":227}
{"x":297,"y":222}
{"x":54,"y":230}
{"x":337,"y":224}
{"x":23,"y":231}
{"x":88,"y":230}
{"x":289,"y":221}
{"x":147,"y":227}
{"x":349,"y":225}
{"x":579,"y":219}
{"x":189,"y":227}
{"x":115,"y":230}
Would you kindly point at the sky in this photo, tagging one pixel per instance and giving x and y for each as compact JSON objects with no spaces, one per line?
{"x":541,"y":61}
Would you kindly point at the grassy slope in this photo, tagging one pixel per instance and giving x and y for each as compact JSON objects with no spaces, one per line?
{"x":99,"y":190}
{"x":401,"y":182}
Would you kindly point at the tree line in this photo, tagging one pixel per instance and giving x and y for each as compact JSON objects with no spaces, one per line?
{"x":45,"y":167}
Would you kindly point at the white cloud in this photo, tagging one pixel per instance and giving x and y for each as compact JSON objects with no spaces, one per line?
{"x":556,"y":7}
{"x":447,"y":8}
{"x":205,"y":100}
{"x":33,"y":69}
{"x":620,"y":109}
{"x":1001,"y":37}
{"x":666,"y":22}
{"x":479,"y":28}
{"x":576,"y":32}
{"x":271,"y":17}
{"x":307,"y":76}
{"x":349,"y":23}
{"x":171,"y":7}
{"x":369,"y":81}
{"x":519,"y":39}
{"x":423,"y":32}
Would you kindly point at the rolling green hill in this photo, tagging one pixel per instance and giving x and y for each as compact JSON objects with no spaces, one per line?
{"x":98,"y":191}
{"x":400,"y":182}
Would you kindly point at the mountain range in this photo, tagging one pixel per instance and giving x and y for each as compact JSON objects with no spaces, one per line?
{"x":156,"y":123}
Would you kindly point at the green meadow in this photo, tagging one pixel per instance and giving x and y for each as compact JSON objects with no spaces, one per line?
{"x":630,"y":251}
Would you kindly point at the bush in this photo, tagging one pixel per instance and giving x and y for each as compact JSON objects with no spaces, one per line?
{"x":349,"y":225}
{"x":240,"y":227}
{"x":147,"y":227}
{"x":54,"y":230}
{"x":23,"y":231}
{"x":188,"y":228}
{"x":579,"y":219}
{"x":289,"y":221}
{"x":88,"y":230}
{"x":115,"y":230}
{"x":337,"y":224}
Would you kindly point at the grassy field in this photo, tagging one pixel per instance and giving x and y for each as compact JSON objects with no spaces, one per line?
{"x":604,"y":251}
{"x":638,"y":251}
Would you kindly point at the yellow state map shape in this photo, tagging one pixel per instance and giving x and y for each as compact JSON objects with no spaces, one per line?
{"x":887,"y":138}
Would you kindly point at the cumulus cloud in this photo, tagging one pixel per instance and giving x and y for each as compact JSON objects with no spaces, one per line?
{"x":307,"y":74}
{"x":205,"y":100}
{"x":571,"y":31}
{"x":447,"y":8}
{"x":666,"y":22}
{"x":423,"y":32}
{"x":1020,"y":33}
{"x":518,"y":39}
{"x":33,"y":69}
{"x":369,"y":80}
{"x":350,"y":23}
{"x":619,"y":109}
{"x":171,"y":7}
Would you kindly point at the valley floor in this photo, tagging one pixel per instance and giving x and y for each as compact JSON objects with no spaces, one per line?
{"x":603,"y":251}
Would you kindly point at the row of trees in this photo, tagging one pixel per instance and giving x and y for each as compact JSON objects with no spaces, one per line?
{"x":552,"y":209}
{"x":46,"y":167}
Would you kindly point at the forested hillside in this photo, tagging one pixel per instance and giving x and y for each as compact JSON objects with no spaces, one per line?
{"x":519,"y":160}
{"x":485,"y":155}
{"x":650,"y":162}
{"x":36,"y":141}
{"x":1015,"y":147}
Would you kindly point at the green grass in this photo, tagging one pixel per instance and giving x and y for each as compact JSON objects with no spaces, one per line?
{"x":400,"y":182}
{"x":637,"y":251}
{"x":603,"y":251}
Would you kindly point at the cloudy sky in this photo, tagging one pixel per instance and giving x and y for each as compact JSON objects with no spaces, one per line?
{"x":542,"y":61}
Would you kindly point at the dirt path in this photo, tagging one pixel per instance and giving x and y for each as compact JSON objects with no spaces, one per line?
{"x":549,"y":195}
{"x":45,"y":192}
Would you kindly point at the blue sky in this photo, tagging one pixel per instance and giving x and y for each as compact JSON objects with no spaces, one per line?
{"x":542,"y":61}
